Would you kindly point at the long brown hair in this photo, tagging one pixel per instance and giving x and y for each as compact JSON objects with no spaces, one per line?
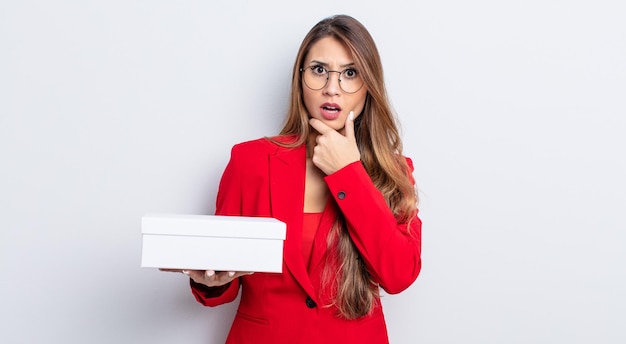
{"x":380,"y":145}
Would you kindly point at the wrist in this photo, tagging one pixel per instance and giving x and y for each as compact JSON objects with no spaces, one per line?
{"x":209,"y":291}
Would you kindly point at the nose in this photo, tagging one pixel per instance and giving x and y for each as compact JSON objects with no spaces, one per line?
{"x":332,"y":84}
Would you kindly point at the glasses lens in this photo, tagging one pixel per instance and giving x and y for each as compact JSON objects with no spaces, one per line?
{"x":314,"y":80}
{"x":350,"y":81}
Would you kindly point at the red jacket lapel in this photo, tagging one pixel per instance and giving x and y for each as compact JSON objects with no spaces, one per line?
{"x":287,"y":176}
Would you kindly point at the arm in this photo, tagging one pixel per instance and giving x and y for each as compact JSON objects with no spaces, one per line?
{"x":390,"y":250}
{"x":228,"y":203}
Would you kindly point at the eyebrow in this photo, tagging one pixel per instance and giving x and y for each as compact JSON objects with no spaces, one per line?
{"x":326,"y":64}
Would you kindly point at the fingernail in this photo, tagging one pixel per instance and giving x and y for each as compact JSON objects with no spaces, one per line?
{"x":186,"y":272}
{"x":210,"y":273}
{"x":351,"y":116}
{"x":231,"y":273}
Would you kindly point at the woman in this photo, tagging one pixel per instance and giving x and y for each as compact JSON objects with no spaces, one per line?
{"x":335,"y":175}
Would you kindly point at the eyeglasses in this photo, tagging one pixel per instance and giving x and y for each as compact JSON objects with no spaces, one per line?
{"x":316,"y":77}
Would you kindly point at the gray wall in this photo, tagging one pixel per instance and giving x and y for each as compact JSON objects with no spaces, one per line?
{"x":513,"y":111}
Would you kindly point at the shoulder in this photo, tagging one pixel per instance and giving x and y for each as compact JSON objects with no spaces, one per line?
{"x":262,"y":146}
{"x":253,"y":145}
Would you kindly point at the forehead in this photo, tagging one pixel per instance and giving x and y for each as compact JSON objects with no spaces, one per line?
{"x":330,"y":51}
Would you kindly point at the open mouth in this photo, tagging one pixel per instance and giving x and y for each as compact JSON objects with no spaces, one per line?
{"x":330,"y":111}
{"x":331,"y":107}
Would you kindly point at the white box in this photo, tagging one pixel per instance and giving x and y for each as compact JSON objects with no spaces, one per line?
{"x":203,"y":242}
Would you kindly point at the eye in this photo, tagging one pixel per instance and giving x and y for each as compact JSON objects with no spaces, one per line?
{"x":350,"y":73}
{"x":318,"y":70}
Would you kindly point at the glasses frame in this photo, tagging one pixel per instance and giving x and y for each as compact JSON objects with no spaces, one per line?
{"x":303,"y":69}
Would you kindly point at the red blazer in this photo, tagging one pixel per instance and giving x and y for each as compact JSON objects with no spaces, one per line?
{"x":264,"y":179}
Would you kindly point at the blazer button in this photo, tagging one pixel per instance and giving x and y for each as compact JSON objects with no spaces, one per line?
{"x":341,"y":195}
{"x":310,"y":303}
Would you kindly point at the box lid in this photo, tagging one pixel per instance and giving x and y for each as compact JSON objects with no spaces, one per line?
{"x":213,"y":225}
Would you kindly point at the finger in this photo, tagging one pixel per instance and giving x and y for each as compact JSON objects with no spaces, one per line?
{"x":224,"y":277}
{"x":241,"y":273}
{"x":320,"y":126}
{"x":196,"y":275}
{"x":350,"y":125}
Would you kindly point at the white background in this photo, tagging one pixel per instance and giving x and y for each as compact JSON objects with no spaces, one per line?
{"x":513,"y":111}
